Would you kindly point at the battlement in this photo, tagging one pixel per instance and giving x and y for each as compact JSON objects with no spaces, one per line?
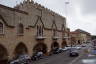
{"x":38,"y":6}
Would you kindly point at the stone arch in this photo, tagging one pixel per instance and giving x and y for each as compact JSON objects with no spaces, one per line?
{"x":54,"y":45}
{"x":64,"y":43}
{"x":3,"y":55}
{"x":20,"y":49}
{"x":40,"y":47}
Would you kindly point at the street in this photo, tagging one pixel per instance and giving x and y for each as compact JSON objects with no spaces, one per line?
{"x":63,"y":58}
{"x":85,"y":58}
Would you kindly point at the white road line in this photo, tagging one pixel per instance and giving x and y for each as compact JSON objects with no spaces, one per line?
{"x":75,"y":60}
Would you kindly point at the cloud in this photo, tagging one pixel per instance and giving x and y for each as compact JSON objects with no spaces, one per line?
{"x":88,"y":6}
{"x":80,"y":13}
{"x":83,"y":15}
{"x":10,"y":3}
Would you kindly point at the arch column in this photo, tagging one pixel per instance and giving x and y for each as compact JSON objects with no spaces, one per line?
{"x":64,"y":43}
{"x":3,"y":55}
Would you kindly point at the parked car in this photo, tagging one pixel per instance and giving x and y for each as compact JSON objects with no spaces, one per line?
{"x":67,"y":48}
{"x":37,"y":56}
{"x":60,"y":50}
{"x":73,"y":52}
{"x":56,"y":51}
{"x":78,"y":47}
{"x":15,"y":61}
{"x":84,"y":45}
{"x":93,"y":52}
{"x":22,"y":59}
{"x":64,"y":49}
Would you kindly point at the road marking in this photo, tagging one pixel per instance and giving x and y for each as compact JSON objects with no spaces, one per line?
{"x":90,"y":55}
{"x":75,"y":60}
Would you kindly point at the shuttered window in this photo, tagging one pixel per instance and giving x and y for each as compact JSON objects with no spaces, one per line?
{"x":1,"y":28}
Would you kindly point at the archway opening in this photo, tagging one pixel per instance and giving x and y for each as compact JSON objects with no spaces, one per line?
{"x":64,"y":43}
{"x":54,"y":45}
{"x":3,"y":55}
{"x":20,"y":50}
{"x":40,"y":47}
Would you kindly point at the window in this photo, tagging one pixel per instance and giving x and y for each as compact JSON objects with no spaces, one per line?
{"x":1,"y":28}
{"x":20,"y":29}
{"x":39,"y":30}
{"x":54,"y":32}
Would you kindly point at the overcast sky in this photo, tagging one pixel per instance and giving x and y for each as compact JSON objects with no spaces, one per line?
{"x":80,"y":13}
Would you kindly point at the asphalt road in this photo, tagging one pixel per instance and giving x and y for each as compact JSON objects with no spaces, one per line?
{"x":62,"y":58}
{"x":85,"y":58}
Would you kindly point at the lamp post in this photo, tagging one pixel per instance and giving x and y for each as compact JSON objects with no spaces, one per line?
{"x":66,"y":11}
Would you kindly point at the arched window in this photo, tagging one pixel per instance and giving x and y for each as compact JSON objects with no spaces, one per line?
{"x":1,"y":28}
{"x":54,"y":32}
{"x":20,"y":29}
{"x":39,"y":30}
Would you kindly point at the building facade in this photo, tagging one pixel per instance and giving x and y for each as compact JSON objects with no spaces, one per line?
{"x":75,"y":38}
{"x":79,"y":37}
{"x":29,"y":28}
{"x":85,"y":36}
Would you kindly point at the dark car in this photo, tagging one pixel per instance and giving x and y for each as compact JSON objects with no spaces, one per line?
{"x":37,"y":56}
{"x":73,"y":53}
{"x":56,"y":51}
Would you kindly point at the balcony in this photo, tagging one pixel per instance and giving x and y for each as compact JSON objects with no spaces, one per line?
{"x":40,"y":37}
{"x":55,"y":37}
{"x":66,"y":37}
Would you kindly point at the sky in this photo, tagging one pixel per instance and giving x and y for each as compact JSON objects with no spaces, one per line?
{"x":79,"y":13}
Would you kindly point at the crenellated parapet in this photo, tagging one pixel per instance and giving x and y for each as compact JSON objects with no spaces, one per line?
{"x":37,"y":6}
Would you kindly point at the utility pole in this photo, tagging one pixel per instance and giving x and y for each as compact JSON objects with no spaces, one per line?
{"x":66,"y":16}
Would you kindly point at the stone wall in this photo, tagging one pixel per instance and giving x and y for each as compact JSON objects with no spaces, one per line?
{"x":27,"y":13}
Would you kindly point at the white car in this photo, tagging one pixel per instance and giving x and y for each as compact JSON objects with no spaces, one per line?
{"x":84,"y":45}
{"x":78,"y":47}
{"x":73,"y":52}
{"x":25,"y":56}
{"x":21,"y":60}
{"x":14,"y":61}
{"x":64,"y":49}
{"x":68,"y":47}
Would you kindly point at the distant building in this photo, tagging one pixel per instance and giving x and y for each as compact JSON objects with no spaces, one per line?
{"x":75,"y":38}
{"x":86,"y":35}
{"x":79,"y":37}
{"x":93,"y":37}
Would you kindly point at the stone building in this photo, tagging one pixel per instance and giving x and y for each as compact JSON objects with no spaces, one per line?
{"x":84,"y":35}
{"x":79,"y":37}
{"x":29,"y":28}
{"x":75,"y":38}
